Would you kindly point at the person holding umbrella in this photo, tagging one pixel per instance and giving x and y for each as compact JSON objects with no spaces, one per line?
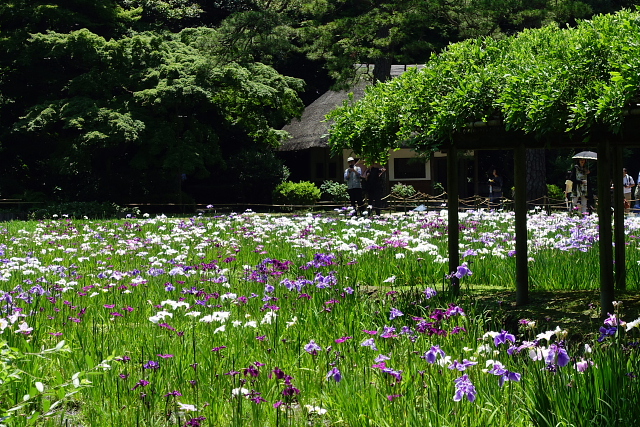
{"x":580,"y":177}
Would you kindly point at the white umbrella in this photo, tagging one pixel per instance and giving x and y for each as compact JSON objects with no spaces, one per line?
{"x":588,"y":155}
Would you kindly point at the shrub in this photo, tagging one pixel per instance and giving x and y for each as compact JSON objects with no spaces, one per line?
{"x":336,"y":190}
{"x":403,"y":190}
{"x":555,"y":192}
{"x":296,"y":193}
{"x":90,"y":210}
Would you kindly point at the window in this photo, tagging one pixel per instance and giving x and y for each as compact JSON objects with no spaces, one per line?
{"x":409,"y":168}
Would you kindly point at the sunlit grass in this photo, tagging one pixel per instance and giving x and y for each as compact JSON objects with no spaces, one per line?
{"x":211,"y":320}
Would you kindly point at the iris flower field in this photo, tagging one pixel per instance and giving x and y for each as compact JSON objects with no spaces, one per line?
{"x":250,"y":319}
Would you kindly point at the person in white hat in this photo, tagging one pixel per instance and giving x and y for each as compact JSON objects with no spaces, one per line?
{"x":354,"y":184}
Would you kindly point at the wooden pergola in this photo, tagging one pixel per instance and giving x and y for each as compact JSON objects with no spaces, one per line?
{"x":487,"y":136}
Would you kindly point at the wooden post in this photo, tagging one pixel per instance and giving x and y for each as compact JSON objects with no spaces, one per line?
{"x":522,"y":255}
{"x":618,"y":221}
{"x":452,"y":203}
{"x":604,"y":223}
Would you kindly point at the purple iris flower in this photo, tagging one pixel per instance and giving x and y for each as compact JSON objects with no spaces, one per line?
{"x":290,"y":391}
{"x":469,"y":252}
{"x":312,"y":348}
{"x":255,"y":397}
{"x":155,"y":272}
{"x":141,"y":383}
{"x":509,"y":376}
{"x":381,"y":358}
{"x":557,"y":354}
{"x":464,"y":387}
{"x":504,"y":374}
{"x":454,"y":310}
{"x":612,"y":320}
{"x":431,"y":355}
{"x":430,"y":293}
{"x":583,"y":365}
{"x":503,"y":337}
{"x":335,"y":375}
{"x":195,"y":422}
{"x":462,"y":270}
{"x":395,"y":313}
{"x":388,"y":332}
{"x":320,"y":260}
{"x":607,"y":332}
{"x":277,"y":373}
{"x":369,"y":343}
{"x":497,"y":369}
{"x":251,"y":371}
{"x":461,"y":366}
{"x":396,"y":374}
{"x":151,"y":364}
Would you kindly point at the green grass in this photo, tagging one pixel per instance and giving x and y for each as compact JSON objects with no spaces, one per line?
{"x":122,"y":294}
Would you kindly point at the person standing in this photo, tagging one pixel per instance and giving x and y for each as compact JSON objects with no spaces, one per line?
{"x":568,"y":189}
{"x":628,"y":184}
{"x":637,"y":197}
{"x":580,"y":177}
{"x":353,"y":176}
{"x":374,"y":177}
{"x":495,"y":188}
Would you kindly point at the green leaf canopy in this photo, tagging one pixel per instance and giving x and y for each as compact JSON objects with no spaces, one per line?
{"x":117,"y":109}
{"x":540,"y":82}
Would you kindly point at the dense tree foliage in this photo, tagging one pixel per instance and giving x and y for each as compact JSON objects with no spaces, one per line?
{"x":147,"y":107}
{"x":125,"y":117}
{"x":382,"y":32}
{"x":123,"y":99}
{"x":542,"y":81}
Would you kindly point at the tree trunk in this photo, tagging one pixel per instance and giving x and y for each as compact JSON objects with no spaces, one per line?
{"x":382,"y":66}
{"x":536,"y":176}
{"x":382,"y":70}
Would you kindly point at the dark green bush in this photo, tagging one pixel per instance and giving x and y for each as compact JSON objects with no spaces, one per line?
{"x":79,"y":210}
{"x":403,"y":191}
{"x":555,"y":192}
{"x":337,"y":191}
{"x":296,"y":193}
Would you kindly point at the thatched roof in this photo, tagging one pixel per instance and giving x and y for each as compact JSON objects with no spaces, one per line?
{"x":311,"y":131}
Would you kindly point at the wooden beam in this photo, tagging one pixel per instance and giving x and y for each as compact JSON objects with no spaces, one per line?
{"x":604,"y":223}
{"x":618,"y":221}
{"x":453,"y":194}
{"x":494,"y":136}
{"x":522,"y":255}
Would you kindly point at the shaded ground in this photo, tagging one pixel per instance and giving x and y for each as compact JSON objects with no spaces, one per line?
{"x":576,"y":311}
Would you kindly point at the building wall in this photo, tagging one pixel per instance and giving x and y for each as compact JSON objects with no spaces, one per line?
{"x":405,"y":166}
{"x":325,"y":166}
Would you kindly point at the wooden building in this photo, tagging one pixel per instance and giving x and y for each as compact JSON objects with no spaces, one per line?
{"x":308,"y":157}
